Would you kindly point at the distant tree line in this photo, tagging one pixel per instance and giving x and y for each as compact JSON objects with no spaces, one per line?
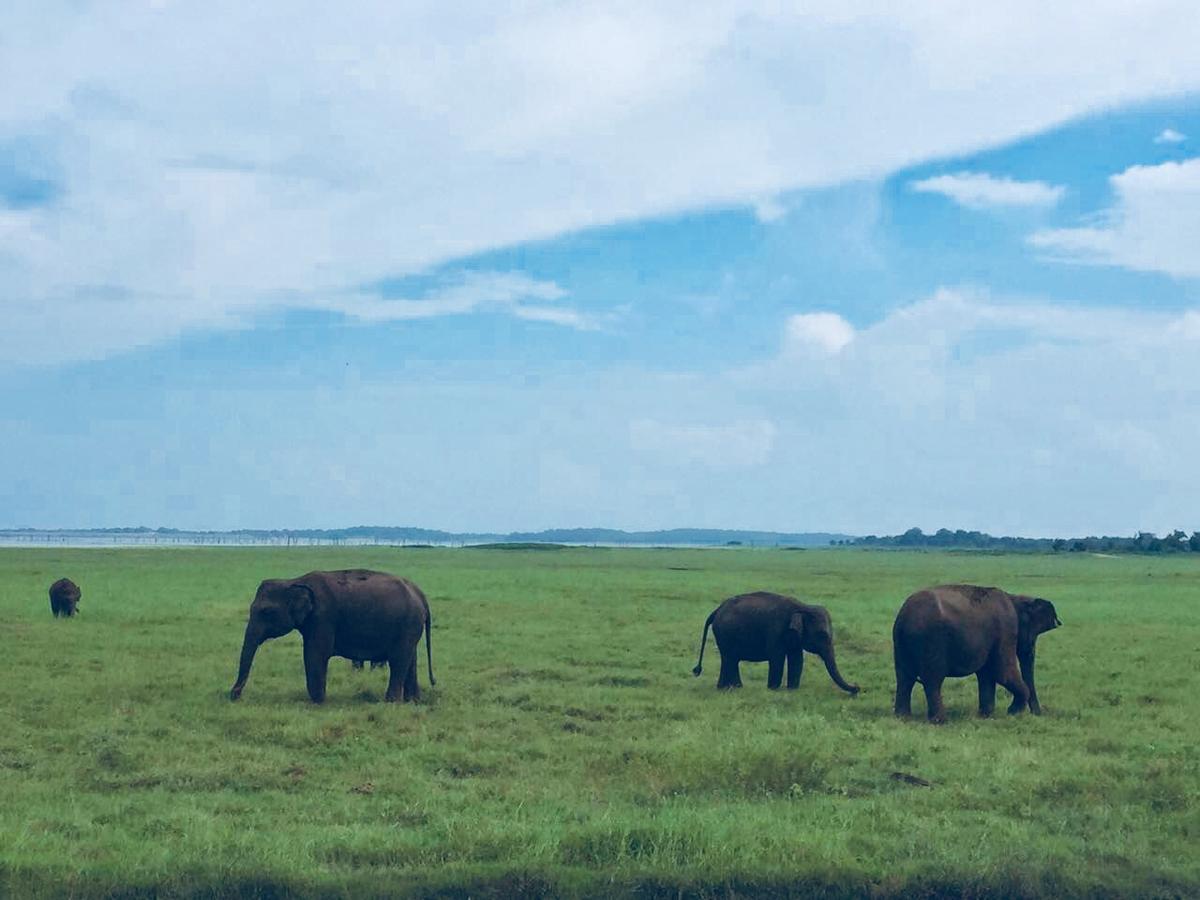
{"x":1143,"y":542}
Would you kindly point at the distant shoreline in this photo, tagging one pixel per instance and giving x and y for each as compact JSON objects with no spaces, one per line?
{"x":366,"y":536}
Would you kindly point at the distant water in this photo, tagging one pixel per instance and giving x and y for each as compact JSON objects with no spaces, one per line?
{"x":92,"y":539}
{"x":68,"y":539}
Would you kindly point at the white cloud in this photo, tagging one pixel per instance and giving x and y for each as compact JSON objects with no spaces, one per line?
{"x":554,"y":315}
{"x":1170,"y":136}
{"x":769,"y":209}
{"x":1152,"y":225}
{"x":963,"y":410}
{"x":978,"y":190}
{"x":736,"y":445}
{"x":92,"y":324}
{"x":215,"y":161}
{"x":960,"y":410}
{"x":823,"y":333}
{"x":472,"y":292}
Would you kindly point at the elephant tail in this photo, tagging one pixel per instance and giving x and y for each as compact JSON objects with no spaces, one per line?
{"x":429,"y":642}
{"x":703,"y":640}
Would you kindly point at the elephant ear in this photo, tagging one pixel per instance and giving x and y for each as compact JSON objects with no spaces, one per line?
{"x":300,"y":601}
{"x":1044,"y":614}
{"x":1035,"y":615}
{"x":797,"y":624}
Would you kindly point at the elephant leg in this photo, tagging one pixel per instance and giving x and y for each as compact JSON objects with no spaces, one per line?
{"x":1011,"y":679}
{"x":1027,"y":676}
{"x":412,"y":690}
{"x":400,"y":662}
{"x":933,"y":700}
{"x":775,"y":673}
{"x":1020,"y":696}
{"x":795,"y":668}
{"x":730,"y":677}
{"x":395,"y":688}
{"x":316,"y":667}
{"x":905,"y":681}
{"x":987,"y":693}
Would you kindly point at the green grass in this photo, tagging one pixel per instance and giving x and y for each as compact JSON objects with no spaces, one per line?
{"x":567,"y":749}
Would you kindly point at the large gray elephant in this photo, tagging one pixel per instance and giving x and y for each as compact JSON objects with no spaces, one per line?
{"x":357,"y":614}
{"x":764,"y":626}
{"x":64,"y":597}
{"x":961,"y":629}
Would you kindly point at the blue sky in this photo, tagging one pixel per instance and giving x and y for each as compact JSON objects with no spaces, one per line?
{"x":590,"y":265}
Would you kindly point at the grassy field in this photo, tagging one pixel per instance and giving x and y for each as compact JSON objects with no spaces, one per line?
{"x":568,"y":750}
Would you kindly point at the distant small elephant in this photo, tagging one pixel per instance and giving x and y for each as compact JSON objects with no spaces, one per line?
{"x":64,"y":597}
{"x":357,"y":614}
{"x":375,"y":664}
{"x":960,"y":629}
{"x":763,"y":626}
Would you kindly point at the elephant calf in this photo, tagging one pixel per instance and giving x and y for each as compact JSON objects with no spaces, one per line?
{"x":762,"y":626}
{"x":357,"y":614}
{"x":961,"y":629}
{"x":64,"y":597}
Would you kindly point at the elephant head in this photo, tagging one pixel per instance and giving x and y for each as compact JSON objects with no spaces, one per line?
{"x":1034,"y":616}
{"x":69,"y":601}
{"x":811,"y":629}
{"x":279,"y":607}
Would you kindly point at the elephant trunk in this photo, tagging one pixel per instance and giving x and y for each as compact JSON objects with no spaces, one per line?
{"x":827,"y":657}
{"x":249,"y":647}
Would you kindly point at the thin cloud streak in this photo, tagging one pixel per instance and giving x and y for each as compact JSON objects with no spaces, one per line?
{"x":978,"y":190}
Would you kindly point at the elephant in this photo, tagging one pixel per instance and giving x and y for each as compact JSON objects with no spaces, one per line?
{"x":356,"y":614}
{"x":764,"y":626}
{"x":955,"y":630}
{"x":375,"y":664}
{"x":64,"y":597}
